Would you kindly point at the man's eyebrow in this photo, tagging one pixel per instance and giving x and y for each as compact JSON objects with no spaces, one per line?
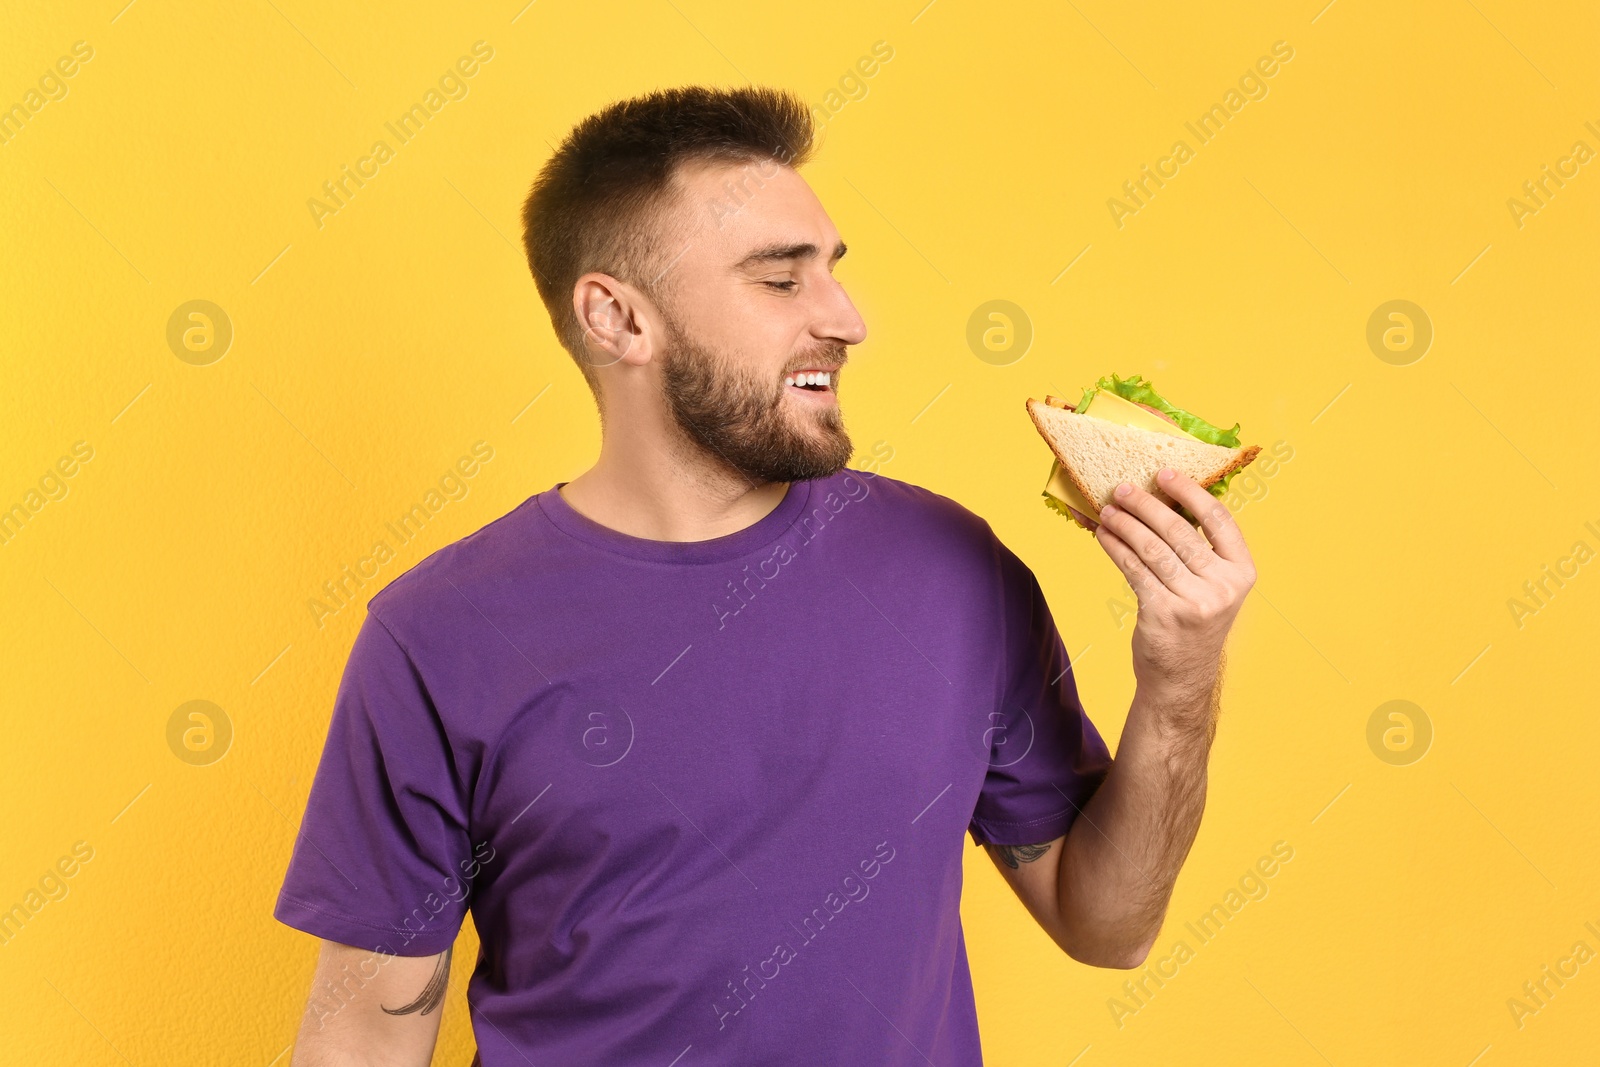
{"x":777,"y":253}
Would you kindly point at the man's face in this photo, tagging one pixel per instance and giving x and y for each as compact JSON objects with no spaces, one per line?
{"x":755,"y":316}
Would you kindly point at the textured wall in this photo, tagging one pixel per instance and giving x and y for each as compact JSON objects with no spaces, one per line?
{"x":351,"y":349}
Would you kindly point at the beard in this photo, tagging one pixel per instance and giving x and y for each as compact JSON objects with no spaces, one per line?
{"x":739,"y":416}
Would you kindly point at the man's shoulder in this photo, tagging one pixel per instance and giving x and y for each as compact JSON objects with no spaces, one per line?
{"x":915,"y":511}
{"x":460,"y":575}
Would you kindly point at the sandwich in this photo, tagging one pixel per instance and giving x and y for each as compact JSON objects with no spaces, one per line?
{"x":1122,"y":430}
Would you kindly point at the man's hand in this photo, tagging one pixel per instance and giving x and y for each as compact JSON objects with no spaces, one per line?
{"x":1189,"y":590}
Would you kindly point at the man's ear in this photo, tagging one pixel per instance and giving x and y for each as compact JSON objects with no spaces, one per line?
{"x":615,"y":319}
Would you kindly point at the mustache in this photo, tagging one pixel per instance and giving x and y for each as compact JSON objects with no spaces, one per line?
{"x":831,"y":355}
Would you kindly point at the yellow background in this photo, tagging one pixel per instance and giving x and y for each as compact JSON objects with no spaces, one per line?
{"x":370,"y":353}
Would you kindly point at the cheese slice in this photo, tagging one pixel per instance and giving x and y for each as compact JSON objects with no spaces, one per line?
{"x":1113,"y":408}
{"x":1061,"y":487}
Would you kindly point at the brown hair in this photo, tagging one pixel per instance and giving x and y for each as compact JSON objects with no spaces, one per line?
{"x":600,"y":203}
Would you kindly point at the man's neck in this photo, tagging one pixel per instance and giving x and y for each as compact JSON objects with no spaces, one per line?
{"x":653,"y":493}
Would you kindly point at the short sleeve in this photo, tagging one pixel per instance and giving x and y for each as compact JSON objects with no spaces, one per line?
{"x":1046,"y":757}
{"x":384,"y":843}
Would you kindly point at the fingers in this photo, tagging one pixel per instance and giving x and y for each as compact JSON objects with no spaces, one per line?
{"x":1189,"y":547}
{"x":1152,"y":552}
{"x":1146,"y":586}
{"x":1226,"y":538}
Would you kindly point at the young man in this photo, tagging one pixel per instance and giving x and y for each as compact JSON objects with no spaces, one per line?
{"x":698,"y":735}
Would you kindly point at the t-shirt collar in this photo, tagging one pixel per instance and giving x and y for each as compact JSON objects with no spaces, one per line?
{"x":764,"y":531}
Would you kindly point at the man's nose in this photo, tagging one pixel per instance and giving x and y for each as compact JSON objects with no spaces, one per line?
{"x":843,"y":322}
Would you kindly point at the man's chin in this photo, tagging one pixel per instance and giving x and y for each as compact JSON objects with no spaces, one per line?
{"x":823,"y":462}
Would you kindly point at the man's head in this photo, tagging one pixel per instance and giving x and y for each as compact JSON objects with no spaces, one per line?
{"x":687,"y":269}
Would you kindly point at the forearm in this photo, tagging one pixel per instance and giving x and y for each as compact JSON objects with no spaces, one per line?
{"x":312,"y":1049}
{"x":366,"y":1009}
{"x":1122,"y":856}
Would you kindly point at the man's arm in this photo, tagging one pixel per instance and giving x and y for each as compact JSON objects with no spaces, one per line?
{"x":367,"y":1009}
{"x":1109,"y":912}
{"x":1101,"y":892}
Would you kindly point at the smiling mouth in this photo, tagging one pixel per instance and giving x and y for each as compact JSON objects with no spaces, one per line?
{"x":811,"y":381}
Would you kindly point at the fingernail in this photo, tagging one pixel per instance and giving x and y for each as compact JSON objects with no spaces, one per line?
{"x":1107,"y":510}
{"x":1124,"y":489}
{"x":1166,"y":474}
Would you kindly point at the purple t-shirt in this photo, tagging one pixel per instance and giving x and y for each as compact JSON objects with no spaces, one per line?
{"x":706,"y":801}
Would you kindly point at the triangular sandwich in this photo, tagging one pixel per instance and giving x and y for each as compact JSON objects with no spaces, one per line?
{"x":1123,"y":431}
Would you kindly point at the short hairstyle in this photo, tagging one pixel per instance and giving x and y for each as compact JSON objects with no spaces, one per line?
{"x":601,"y":202}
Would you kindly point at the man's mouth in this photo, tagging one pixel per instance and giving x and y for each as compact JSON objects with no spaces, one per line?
{"x":812,"y":380}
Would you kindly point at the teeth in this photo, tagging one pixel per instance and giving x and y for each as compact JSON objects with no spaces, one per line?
{"x":789,"y":380}
{"x":824,"y":378}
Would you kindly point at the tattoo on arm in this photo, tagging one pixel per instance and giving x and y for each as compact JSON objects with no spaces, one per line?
{"x":1012,"y":855}
{"x":432,"y":994}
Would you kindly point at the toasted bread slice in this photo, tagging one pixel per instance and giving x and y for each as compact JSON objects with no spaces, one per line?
{"x":1097,"y":455}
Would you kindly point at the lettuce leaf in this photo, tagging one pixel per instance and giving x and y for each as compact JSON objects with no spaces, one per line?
{"x":1220,"y":486}
{"x":1136,"y":389}
{"x":1139,"y":391}
{"x":1060,"y":509}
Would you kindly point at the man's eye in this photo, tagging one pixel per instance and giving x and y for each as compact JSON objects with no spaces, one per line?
{"x":785,"y":286}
